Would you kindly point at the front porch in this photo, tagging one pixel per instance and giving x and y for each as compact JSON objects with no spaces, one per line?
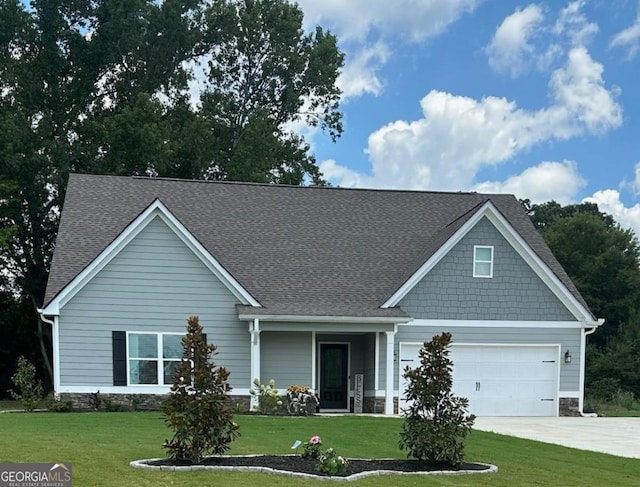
{"x":348,"y":365}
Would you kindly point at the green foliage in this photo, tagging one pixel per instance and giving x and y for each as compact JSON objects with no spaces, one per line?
{"x":436,"y":422}
{"x":603,"y":260}
{"x":331,"y":463}
{"x":103,"y":87}
{"x":60,"y":406}
{"x":195,"y":410}
{"x":27,"y":388}
{"x":312,"y":448}
{"x":111,"y":406}
{"x":269,"y":399}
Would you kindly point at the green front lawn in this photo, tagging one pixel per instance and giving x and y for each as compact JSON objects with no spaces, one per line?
{"x":100,"y":446}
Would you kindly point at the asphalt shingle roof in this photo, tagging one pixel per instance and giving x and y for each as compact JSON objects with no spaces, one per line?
{"x":297,"y":250}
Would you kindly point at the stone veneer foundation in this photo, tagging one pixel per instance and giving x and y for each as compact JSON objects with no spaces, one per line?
{"x":569,"y":406}
{"x":139,"y":402}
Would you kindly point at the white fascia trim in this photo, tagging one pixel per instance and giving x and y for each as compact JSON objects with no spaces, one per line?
{"x":157,"y":208}
{"x":517,"y":242}
{"x":569,"y":394}
{"x":324,"y":319}
{"x":132,"y":390}
{"x":495,"y":324}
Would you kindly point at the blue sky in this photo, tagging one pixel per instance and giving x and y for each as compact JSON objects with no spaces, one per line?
{"x":537,"y":99}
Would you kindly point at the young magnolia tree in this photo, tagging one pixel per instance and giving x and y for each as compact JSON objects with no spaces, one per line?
{"x":436,"y":422}
{"x":196,"y":411}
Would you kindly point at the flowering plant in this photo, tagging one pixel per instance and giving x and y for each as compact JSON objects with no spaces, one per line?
{"x":311,"y":448}
{"x":300,"y":401}
{"x":331,"y":463}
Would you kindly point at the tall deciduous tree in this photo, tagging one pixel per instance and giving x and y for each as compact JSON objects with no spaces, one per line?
{"x":106,"y":86}
{"x":603,"y":260}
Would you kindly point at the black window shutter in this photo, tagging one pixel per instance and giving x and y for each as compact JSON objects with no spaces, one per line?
{"x":204,"y":337}
{"x":119,"y":339}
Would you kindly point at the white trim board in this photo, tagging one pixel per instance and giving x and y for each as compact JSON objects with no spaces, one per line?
{"x":523,"y":249}
{"x":373,"y":320}
{"x":155,"y":209}
{"x":445,"y":324}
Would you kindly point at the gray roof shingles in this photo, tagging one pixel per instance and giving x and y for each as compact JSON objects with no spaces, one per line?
{"x":297,"y":250}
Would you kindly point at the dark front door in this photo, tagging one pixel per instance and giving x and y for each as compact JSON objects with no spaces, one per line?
{"x":334,"y":391}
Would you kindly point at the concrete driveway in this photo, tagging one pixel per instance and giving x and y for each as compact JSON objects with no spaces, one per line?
{"x":616,"y":436}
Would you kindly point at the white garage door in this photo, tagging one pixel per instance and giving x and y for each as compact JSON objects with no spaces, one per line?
{"x":499,"y":380}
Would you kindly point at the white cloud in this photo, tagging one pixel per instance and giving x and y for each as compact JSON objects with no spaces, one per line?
{"x":608,"y":201}
{"x":549,"y":180}
{"x":636,"y":179}
{"x":416,"y":19}
{"x":628,"y":38}
{"x":458,"y":135}
{"x":573,"y":24}
{"x":523,"y":40}
{"x":360,"y":73}
{"x":510,"y":50}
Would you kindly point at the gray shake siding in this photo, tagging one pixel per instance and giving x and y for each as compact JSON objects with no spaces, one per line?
{"x":568,"y":338}
{"x":152,"y":285}
{"x":515,"y":292}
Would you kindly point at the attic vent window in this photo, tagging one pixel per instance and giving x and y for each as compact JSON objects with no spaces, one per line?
{"x":483,"y":261}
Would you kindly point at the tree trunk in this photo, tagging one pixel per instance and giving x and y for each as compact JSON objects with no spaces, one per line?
{"x":43,"y":338}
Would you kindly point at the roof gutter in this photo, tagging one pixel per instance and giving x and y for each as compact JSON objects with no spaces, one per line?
{"x":589,"y":328}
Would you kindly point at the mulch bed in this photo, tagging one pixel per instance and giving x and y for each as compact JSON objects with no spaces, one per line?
{"x":292,"y":463}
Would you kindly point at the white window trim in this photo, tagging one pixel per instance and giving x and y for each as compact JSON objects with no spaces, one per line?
{"x":477,"y":261}
{"x":159,"y":358}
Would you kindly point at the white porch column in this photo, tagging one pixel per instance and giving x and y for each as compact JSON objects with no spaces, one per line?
{"x":388,"y":398}
{"x":254,"y":330}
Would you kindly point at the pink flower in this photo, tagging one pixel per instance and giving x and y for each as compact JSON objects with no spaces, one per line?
{"x":315,"y":440}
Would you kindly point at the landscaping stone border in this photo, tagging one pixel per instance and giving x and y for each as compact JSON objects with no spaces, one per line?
{"x":143,"y":464}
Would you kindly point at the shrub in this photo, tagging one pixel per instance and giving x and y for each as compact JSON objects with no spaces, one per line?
{"x":112,"y":406}
{"x":331,"y":463}
{"x":624,"y":399}
{"x":436,"y":422}
{"x":312,"y":448}
{"x":603,"y":389}
{"x":269,"y":399}
{"x":28,"y":390}
{"x":300,"y":401}
{"x":195,"y":409}
{"x":60,"y":406}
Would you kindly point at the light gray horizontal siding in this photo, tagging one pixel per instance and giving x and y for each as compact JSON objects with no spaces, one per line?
{"x":154,"y":284}
{"x":515,"y":292}
{"x":567,"y":338}
{"x":286,"y":358}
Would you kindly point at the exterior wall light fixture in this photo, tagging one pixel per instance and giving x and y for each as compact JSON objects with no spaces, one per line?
{"x":567,"y":357}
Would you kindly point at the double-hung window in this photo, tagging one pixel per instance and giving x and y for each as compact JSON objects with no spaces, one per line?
{"x":483,"y":261}
{"x":152,"y":358}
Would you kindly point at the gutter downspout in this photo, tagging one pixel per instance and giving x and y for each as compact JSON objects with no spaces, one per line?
{"x":55,"y":346}
{"x":583,"y":348}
